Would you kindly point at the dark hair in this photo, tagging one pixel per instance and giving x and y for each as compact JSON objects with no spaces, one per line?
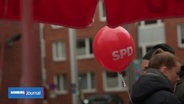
{"x":162,"y":46}
{"x":163,"y":58}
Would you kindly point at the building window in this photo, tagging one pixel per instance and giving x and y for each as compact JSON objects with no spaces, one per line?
{"x":87,"y":81}
{"x":148,"y":48}
{"x":56,"y":26}
{"x":59,"y":51}
{"x":150,"y":22}
{"x":102,"y":10}
{"x":60,"y":82}
{"x":113,"y":82}
{"x":144,"y":49}
{"x":84,"y":48}
{"x":180,"y":32}
{"x":140,"y":52}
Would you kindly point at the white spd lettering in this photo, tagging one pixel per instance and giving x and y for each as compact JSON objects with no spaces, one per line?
{"x":119,"y":54}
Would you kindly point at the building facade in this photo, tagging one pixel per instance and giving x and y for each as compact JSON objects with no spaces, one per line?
{"x":92,"y":78}
{"x":66,"y":65}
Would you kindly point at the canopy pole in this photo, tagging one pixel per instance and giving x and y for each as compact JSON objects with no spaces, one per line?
{"x":28,"y":61}
{"x":73,"y":66}
{"x":2,"y":43}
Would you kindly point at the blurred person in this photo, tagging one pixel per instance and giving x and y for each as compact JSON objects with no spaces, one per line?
{"x":157,"y":84}
{"x":147,"y":56}
{"x":179,"y":91}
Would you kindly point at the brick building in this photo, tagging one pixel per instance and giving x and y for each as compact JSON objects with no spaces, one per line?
{"x":55,"y":58}
{"x":93,"y":78}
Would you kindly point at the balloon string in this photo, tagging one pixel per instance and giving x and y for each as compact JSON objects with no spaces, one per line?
{"x":124,"y":85}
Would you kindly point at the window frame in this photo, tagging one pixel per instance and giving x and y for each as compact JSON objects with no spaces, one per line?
{"x":87,"y":49}
{"x":89,"y":82}
{"x":144,"y":25}
{"x":145,"y":46}
{"x":180,"y":44}
{"x":102,"y":10}
{"x":63,"y":84}
{"x":118,"y":88}
{"x":61,"y":56}
{"x":56,"y":27}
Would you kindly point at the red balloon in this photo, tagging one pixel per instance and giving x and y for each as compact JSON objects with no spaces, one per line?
{"x":113,"y":48}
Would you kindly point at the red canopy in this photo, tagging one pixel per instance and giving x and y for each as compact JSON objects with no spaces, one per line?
{"x":72,"y":13}
{"x":79,"y":13}
{"x":127,"y":11}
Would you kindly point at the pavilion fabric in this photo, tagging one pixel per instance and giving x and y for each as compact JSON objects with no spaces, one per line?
{"x":80,"y":13}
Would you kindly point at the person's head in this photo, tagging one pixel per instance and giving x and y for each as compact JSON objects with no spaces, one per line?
{"x":148,"y":55}
{"x":167,"y":64}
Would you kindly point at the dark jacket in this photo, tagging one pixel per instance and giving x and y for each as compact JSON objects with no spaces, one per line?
{"x":180,"y":90}
{"x":180,"y":86}
{"x":153,"y":88}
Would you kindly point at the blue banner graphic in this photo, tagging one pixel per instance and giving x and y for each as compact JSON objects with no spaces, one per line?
{"x":25,"y":92}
